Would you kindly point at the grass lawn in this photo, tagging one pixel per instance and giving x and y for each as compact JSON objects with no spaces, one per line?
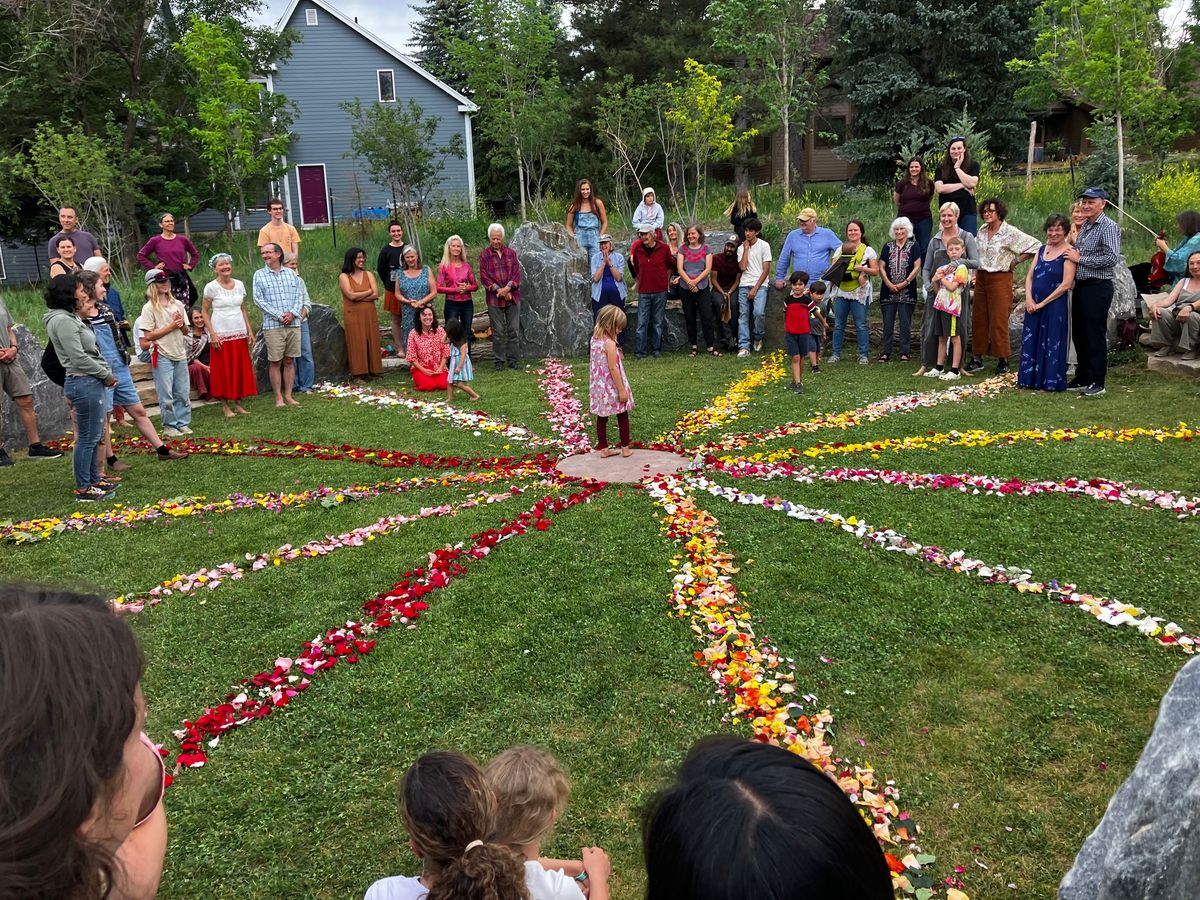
{"x":1005,"y":719}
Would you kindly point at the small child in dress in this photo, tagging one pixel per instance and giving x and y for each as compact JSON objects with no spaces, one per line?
{"x":531,"y":793}
{"x":610,"y":394}
{"x":949,"y":281}
{"x":797,"y":331}
{"x":461,"y":373}
{"x":818,"y":323}
{"x":449,"y":811}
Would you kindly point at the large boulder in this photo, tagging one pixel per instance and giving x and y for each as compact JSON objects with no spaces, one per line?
{"x":556,"y":299}
{"x":53,"y":415}
{"x":328,"y":344}
{"x":1147,"y":846}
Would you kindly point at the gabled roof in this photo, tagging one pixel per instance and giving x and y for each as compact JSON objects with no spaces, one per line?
{"x":464,"y":104}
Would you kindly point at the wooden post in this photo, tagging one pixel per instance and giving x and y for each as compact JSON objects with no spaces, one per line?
{"x":1029,"y":158}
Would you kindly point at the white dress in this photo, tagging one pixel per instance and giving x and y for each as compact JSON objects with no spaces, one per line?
{"x":227,"y":318}
{"x":398,"y":887}
{"x":543,"y":885}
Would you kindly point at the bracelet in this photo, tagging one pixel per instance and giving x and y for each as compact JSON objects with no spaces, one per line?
{"x":582,"y":876}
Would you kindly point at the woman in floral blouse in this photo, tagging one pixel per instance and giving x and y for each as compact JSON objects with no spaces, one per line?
{"x":428,"y":352}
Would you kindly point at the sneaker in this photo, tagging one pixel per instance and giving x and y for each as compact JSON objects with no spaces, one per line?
{"x":758,"y":346}
{"x":1002,"y":367}
{"x":1092,"y":390}
{"x":500,"y":365}
{"x":171,"y":431}
{"x":949,"y":376}
{"x":118,"y":466}
{"x":835,"y":359}
{"x":1163,"y":352}
{"x":5,"y":460}
{"x":657,"y":355}
{"x":974,"y":365}
{"x":107,"y":485}
{"x":743,"y":353}
{"x":183,"y":429}
{"x":862,"y":360}
{"x":798,"y":388}
{"x":41,"y":451}
{"x":1191,"y":354}
{"x":91,"y":494}
{"x":814,"y":370}
{"x":1077,"y":387}
{"x":512,"y":363}
{"x":934,"y":373}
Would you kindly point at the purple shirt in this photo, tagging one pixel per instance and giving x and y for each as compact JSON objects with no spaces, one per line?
{"x":85,"y":245}
{"x":172,"y":254}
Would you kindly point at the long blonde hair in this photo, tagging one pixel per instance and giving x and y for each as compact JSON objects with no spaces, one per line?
{"x":531,"y":791}
{"x":446,"y":251}
{"x":610,"y":322}
{"x":152,"y":295}
{"x":742,"y":204}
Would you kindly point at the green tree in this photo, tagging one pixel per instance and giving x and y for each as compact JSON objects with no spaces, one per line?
{"x":241,"y":128}
{"x":1111,"y":54}
{"x":515,"y":82}
{"x":645,"y":39}
{"x":625,"y":119}
{"x":701,"y":115}
{"x":438,"y":24}
{"x":777,"y":65}
{"x":907,"y":69}
{"x":399,"y":149}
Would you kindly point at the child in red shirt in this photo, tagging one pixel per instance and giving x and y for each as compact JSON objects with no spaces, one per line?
{"x":798,"y":306}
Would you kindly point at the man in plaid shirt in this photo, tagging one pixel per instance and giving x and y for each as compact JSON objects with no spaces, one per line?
{"x":500,"y":272}
{"x":277,"y":293}
{"x":1096,"y":253}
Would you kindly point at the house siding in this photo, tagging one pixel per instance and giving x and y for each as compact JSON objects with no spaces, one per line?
{"x":23,"y":263}
{"x":332,"y":63}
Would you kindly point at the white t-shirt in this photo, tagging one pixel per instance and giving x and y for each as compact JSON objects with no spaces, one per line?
{"x":550,"y":885}
{"x":397,"y":887}
{"x":760,"y":255}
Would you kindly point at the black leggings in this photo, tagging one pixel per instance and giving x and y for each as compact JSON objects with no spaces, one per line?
{"x":602,"y":430}
{"x":700,"y":301}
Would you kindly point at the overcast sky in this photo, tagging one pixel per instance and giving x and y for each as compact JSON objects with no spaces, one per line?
{"x":393,"y":21}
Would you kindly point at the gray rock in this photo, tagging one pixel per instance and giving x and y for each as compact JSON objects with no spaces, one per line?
{"x":53,"y":415}
{"x":1147,"y":846}
{"x":329,"y":348}
{"x":1168,"y":365}
{"x":556,"y":300}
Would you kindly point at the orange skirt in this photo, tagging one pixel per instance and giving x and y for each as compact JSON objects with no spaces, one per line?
{"x":391,"y":302}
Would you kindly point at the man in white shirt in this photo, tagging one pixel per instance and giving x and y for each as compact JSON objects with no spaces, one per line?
{"x":753,"y":257}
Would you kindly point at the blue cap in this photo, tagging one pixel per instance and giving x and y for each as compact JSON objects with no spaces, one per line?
{"x":1094,"y":193}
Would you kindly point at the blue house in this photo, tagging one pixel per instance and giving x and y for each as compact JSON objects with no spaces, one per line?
{"x":334,"y":60}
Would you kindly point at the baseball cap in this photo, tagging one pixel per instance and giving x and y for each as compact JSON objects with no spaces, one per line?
{"x":1094,"y":193}
{"x":155,"y":275}
{"x":605,"y":239}
{"x":807,"y":213}
{"x":645,"y":229}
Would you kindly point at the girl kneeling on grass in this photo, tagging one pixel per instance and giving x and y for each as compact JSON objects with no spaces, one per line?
{"x":449,"y":812}
{"x":610,"y":394}
{"x":460,"y":372}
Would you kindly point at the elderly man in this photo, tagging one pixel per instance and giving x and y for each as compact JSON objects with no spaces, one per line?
{"x":85,"y":244}
{"x":277,"y":293}
{"x":652,"y":264}
{"x":809,"y":248}
{"x":1096,"y":253}
{"x":500,"y":272}
{"x":278,"y":231}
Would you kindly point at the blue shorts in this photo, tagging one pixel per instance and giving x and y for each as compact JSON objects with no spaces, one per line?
{"x":123,"y":393}
{"x":798,"y":344}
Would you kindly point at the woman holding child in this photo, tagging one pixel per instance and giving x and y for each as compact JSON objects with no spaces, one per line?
{"x":853,"y":293}
{"x":936,"y":257}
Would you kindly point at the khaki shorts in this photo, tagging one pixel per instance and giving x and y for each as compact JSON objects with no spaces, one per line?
{"x":13,"y":380}
{"x":282,"y":342}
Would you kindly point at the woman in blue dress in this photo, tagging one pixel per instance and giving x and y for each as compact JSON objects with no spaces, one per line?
{"x":586,"y":218}
{"x":1046,"y":340}
{"x":415,"y":288}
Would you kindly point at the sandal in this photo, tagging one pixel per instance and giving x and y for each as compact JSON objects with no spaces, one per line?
{"x":884,"y":357}
{"x":903,"y":357}
{"x":714,"y":351}
{"x":693,"y":353}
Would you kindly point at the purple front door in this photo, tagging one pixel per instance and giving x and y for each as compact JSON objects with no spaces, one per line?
{"x":314,"y":205}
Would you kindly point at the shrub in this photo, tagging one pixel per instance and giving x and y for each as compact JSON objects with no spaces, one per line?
{"x":1100,"y":167}
{"x":1177,"y":189}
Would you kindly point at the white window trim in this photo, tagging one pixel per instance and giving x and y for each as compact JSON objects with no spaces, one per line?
{"x":300,"y":191}
{"x":3,"y":275}
{"x":379,"y":85}
{"x":310,"y":17}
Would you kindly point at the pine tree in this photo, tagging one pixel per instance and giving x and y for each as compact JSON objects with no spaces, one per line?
{"x":439,"y":22}
{"x":908,"y":69}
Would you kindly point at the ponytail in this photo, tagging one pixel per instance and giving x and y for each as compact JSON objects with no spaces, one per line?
{"x":483,"y":872}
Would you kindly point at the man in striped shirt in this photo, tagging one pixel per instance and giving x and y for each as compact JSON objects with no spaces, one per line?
{"x":1096,"y":253}
{"x":277,"y":294}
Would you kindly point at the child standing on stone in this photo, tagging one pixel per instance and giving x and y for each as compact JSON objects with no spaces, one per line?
{"x":609,"y":388}
{"x":461,"y":373}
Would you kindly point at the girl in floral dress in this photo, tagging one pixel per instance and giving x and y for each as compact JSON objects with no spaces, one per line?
{"x":609,"y":388}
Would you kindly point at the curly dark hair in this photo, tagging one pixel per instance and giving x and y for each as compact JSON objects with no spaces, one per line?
{"x":70,"y":669}
{"x":60,"y":292}
{"x":448,"y":808}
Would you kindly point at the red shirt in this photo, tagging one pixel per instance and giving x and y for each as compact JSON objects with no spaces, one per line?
{"x":653,"y":268}
{"x":795,"y":317}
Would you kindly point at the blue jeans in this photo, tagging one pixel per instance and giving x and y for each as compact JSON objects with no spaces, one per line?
{"x":87,"y":395}
{"x":892,"y":311}
{"x":306,"y":373}
{"x":173,"y":387}
{"x":968,"y":222}
{"x":842,"y":308}
{"x":760,"y":315}
{"x":652,"y":314}
{"x":921,"y":231}
{"x":589,"y":240}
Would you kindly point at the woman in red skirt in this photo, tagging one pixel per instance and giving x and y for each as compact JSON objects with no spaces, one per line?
{"x":428,"y":352}
{"x":231,"y":373}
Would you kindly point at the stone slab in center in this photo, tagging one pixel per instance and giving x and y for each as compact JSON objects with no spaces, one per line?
{"x":638,"y":465}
